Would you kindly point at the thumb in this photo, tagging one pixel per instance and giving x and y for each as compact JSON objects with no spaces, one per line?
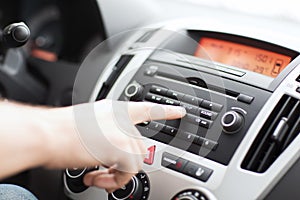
{"x":145,"y":111}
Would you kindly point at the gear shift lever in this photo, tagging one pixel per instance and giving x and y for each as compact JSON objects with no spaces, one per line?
{"x":14,"y":35}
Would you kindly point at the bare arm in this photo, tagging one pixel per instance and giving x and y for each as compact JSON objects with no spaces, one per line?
{"x":58,"y":138}
{"x":22,"y":138}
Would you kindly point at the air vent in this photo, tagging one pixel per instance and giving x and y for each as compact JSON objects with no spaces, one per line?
{"x":282,"y":126}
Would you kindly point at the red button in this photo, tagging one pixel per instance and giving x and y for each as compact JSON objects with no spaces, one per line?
{"x":150,"y":157}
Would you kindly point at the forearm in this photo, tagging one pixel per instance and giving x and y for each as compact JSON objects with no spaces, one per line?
{"x":39,"y":136}
{"x":36,"y":136}
{"x":22,"y":145}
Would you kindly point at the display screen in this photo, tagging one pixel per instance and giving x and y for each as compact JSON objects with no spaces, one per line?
{"x":243,"y":56}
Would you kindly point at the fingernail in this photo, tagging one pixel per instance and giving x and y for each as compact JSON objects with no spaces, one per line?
{"x":179,"y":110}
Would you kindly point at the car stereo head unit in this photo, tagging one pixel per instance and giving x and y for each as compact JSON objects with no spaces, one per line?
{"x":241,"y":95}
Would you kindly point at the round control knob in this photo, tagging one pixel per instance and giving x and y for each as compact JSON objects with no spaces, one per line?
{"x":190,"y":195}
{"x":232,"y":121}
{"x":136,"y":189}
{"x":15,"y":35}
{"x":74,"y":179}
{"x":132,"y":190}
{"x":134,"y":91}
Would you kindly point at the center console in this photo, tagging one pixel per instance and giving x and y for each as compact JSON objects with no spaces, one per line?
{"x":241,"y":95}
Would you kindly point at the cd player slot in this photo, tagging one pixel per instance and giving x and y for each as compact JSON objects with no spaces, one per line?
{"x":215,"y":66}
{"x":195,"y":81}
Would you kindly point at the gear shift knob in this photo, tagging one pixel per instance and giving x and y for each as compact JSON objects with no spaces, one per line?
{"x":14,"y":35}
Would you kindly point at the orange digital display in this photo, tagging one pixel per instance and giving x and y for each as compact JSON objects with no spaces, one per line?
{"x":242,"y":56}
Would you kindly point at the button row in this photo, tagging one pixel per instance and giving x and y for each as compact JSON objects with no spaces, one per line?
{"x":198,"y":121}
{"x":199,"y":111}
{"x":184,"y":135}
{"x":190,"y":109}
{"x":201,"y":141}
{"x":186,"y":98}
{"x":186,"y":167}
{"x":161,"y":100}
{"x":163,"y":128}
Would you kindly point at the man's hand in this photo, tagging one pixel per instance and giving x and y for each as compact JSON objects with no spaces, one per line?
{"x":126,"y":148}
{"x":86,"y":135}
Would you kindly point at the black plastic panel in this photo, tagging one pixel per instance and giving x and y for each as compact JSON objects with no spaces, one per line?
{"x":212,"y":90}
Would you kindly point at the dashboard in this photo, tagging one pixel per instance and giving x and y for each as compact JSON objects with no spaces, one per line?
{"x":237,"y":75}
{"x":239,"y":139}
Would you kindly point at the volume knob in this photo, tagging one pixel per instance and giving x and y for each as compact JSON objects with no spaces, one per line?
{"x":134,"y":91}
{"x":232,"y":122}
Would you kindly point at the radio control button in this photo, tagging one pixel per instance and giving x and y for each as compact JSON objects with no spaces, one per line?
{"x":192,"y":100}
{"x":193,"y":119}
{"x":198,"y":121}
{"x":208,"y":144}
{"x":156,"y":126}
{"x":158,"y":90}
{"x":245,"y":98}
{"x":175,"y":95}
{"x":189,"y":137}
{"x":232,"y":122}
{"x":170,"y":130}
{"x":189,"y":108}
{"x":205,"y":123}
{"x":154,"y":98}
{"x":211,"y":106}
{"x":151,"y":71}
{"x":170,"y":102}
{"x":207,"y":114}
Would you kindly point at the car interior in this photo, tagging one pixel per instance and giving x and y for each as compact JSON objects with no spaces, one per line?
{"x":234,"y":66}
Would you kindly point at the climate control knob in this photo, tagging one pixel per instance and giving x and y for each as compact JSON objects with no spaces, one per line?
{"x":232,"y":122}
{"x":134,"y":91}
{"x":190,"y":195}
{"x":132,"y":190}
{"x":136,"y":189}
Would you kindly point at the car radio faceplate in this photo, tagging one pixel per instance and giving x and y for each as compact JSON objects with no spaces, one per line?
{"x":218,"y":115}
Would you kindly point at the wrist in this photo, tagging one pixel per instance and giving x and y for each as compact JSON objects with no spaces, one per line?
{"x":56,"y":131}
{"x":39,"y":130}
{"x":64,"y":148}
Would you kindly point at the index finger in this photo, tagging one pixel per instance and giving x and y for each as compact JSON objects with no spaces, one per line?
{"x":145,"y":111}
